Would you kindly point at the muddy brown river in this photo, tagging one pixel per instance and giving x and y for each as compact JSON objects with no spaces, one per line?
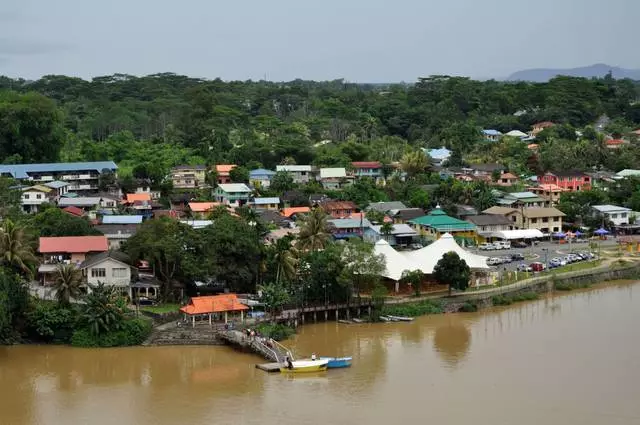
{"x":570,"y":359}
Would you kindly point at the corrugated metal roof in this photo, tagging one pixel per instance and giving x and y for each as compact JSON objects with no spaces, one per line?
{"x":234,"y":187}
{"x":265,"y":201}
{"x":73,"y":244}
{"x":122,"y":219}
{"x":332,"y":173}
{"x":610,"y":208}
{"x":350,"y":223}
{"x":293,"y":168}
{"x":78,"y":202}
{"x":56,"y":184}
{"x":21,"y":171}
{"x":261,"y":172}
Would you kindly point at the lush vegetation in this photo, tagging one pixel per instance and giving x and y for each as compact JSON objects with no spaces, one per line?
{"x":453,"y":271}
{"x":510,"y":299}
{"x":416,"y":309}
{"x":276,"y":331}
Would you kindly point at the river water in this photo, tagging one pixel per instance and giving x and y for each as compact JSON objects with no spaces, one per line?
{"x":570,"y":359}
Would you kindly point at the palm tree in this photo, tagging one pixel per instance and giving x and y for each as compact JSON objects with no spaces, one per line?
{"x":102,"y":309}
{"x":314,"y":233}
{"x":285,"y":260}
{"x":386,"y":229}
{"x":67,"y":283}
{"x":414,"y":163}
{"x":16,"y":251}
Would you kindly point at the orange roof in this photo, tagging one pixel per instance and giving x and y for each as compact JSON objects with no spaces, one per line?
{"x":288,"y":212}
{"x":636,"y":132}
{"x":532,"y":146}
{"x":225,"y":168}
{"x":613,"y":142}
{"x":357,"y":216}
{"x":73,"y":244}
{"x":213,"y":304}
{"x":508,"y":176}
{"x":133,"y":197}
{"x":78,"y":212}
{"x":202,"y":206}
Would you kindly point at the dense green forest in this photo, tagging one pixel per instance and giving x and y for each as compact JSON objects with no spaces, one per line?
{"x":157,"y":121}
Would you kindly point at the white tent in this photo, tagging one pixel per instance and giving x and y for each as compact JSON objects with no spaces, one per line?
{"x":427,"y":257}
{"x":395,"y":262}
{"x":518,"y":234}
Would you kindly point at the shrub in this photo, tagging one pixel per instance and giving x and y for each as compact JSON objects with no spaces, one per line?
{"x":469,"y":307}
{"x":501,"y":300}
{"x":510,"y":299}
{"x":49,"y":322}
{"x":413,"y":309}
{"x":276,"y":331}
{"x":132,"y":332}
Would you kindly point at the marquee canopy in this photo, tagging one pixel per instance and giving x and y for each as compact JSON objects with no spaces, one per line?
{"x":518,"y":234}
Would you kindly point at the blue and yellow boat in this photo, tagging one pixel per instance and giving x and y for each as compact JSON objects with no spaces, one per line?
{"x":337,"y":362}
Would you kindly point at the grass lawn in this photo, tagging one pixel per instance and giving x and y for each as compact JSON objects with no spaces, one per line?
{"x":579,"y":266}
{"x":161,"y":308}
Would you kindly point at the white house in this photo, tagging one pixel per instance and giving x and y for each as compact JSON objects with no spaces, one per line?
{"x":111,"y":268}
{"x":33,"y":197}
{"x":334,"y":178}
{"x":300,"y":173}
{"x":617,"y":215}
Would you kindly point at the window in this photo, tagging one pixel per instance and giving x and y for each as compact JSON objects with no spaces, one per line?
{"x":623,"y":215}
{"x":119,"y":272}
{"x":556,"y":218}
{"x":556,"y":229}
{"x":98,"y":272}
{"x":25,"y":196}
{"x":534,"y":220}
{"x":38,"y":196}
{"x":614,"y":215}
{"x":545,"y":219}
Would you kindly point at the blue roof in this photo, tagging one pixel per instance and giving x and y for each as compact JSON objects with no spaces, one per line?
{"x":442,"y":153}
{"x":56,"y":184}
{"x":21,"y":171}
{"x":122,"y":219}
{"x":265,"y":201}
{"x":491,"y":132}
{"x":261,"y":172}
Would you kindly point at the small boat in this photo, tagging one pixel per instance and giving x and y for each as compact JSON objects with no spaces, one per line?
{"x":358,"y":321}
{"x":337,"y":362}
{"x":345,"y":322}
{"x":305,"y":366}
{"x":385,"y":319}
{"x":401,"y":318}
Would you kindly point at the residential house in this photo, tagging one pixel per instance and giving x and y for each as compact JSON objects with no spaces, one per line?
{"x":573,"y":181}
{"x":401,"y":234}
{"x":522,"y":200}
{"x":483,"y":170}
{"x":119,"y":228}
{"x":462,"y":211}
{"x":81,"y":176}
{"x":74,"y":211}
{"x":547,"y":220}
{"x":344,"y":228}
{"x":111,"y":268}
{"x":266,"y":203}
{"x":614,"y":143}
{"x":67,"y":250}
{"x":437,"y":223}
{"x":140,"y":202}
{"x":402,"y":216}
{"x":488,"y":223}
{"x":371,"y":169}
{"x":88,"y":203}
{"x":294,"y":198}
{"x":438,"y":156}
{"x":507,"y":180}
{"x":201,"y":209}
{"x":301,"y":174}
{"x":385,"y":207}
{"x":549,"y":192}
{"x":121,"y":219}
{"x":34,"y":196}
{"x":491,"y":135}
{"x":144,"y":186}
{"x":261,"y":178}
{"x":274,"y":218}
{"x":339,"y":209}
{"x":61,"y":188}
{"x":189,"y":176}
{"x":334,"y":178}
{"x":294,"y":212}
{"x":223,"y":173}
{"x":232,"y":194}
{"x":613,"y":213}
{"x":602,"y":179}
{"x":538,"y":127}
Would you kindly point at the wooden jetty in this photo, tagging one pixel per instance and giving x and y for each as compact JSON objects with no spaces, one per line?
{"x":275,"y":353}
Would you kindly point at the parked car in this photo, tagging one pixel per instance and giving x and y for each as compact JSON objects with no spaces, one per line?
{"x":517,"y":257}
{"x":537,"y":266}
{"x":498,"y":245}
{"x":558,"y":260}
{"x":506,"y":259}
{"x":494,"y":261}
{"x":486,"y":247}
{"x":524,"y":268}
{"x":415,"y":246}
{"x":519,"y":244}
{"x":505,"y":244}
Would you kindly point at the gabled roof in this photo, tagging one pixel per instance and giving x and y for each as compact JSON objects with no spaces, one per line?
{"x":508,"y":176}
{"x":133,"y":197}
{"x":22,"y":171}
{"x":338,"y":205}
{"x":521,"y":195}
{"x":610,"y":208}
{"x":398,"y":230}
{"x":234,"y":187}
{"x":491,"y":132}
{"x":79,"y":202}
{"x":266,"y":201}
{"x":517,"y":133}
{"x":386,"y":206}
{"x":349,"y":223}
{"x":288,"y":212}
{"x":542,"y":212}
{"x":332,"y":173}
{"x":566,"y":173}
{"x":260,"y":172}
{"x":366,"y":164}
{"x":117,"y":230}
{"x":122,"y":219}
{"x":441,"y":153}
{"x":202,"y":206}
{"x":37,"y":188}
{"x":628,"y":172}
{"x":408,"y":213}
{"x":78,"y":212}
{"x":500,"y":210}
{"x":72,"y":244}
{"x":118,"y":256}
{"x":225,"y":168}
{"x":488,"y":220}
{"x":439,"y":220}
{"x":293,"y":168}
{"x":213,"y":304}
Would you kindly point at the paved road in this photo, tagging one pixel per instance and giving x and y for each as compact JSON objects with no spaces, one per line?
{"x":538,"y":252}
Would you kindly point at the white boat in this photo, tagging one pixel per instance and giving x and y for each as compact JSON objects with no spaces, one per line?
{"x":300,"y":366}
{"x":401,"y":318}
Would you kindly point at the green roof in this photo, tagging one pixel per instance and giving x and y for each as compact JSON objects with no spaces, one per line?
{"x":439,"y":220}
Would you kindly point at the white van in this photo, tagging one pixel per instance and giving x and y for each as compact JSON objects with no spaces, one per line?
{"x":505,"y":244}
{"x":486,"y":247}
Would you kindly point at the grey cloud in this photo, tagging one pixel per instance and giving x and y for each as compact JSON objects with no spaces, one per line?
{"x":16,"y":47}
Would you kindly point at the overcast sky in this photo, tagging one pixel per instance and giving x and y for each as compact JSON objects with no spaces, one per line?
{"x":359,"y":40}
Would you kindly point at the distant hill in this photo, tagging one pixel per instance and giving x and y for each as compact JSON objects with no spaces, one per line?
{"x":598,"y":70}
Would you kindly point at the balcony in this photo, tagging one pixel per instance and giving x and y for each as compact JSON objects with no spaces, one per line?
{"x":70,"y":177}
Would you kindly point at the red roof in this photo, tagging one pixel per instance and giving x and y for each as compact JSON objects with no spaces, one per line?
{"x":224,"y":169}
{"x":203,"y":206}
{"x":614,"y":142}
{"x":78,"y":212}
{"x":133,"y":197}
{"x":73,"y":244}
{"x":367,"y":164}
{"x":213,"y":304}
{"x":288,"y":212}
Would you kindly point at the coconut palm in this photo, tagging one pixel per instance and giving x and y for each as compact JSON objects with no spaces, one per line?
{"x":414,"y":163}
{"x":314,"y":233}
{"x":103,"y":310}
{"x":16,"y":251}
{"x":67,"y":283}
{"x":285,"y":259}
